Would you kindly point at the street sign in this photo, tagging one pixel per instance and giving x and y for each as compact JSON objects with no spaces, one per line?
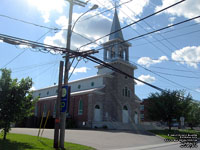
{"x":63,"y":104}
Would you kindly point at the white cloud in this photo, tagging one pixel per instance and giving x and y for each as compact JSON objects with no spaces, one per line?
{"x":79,"y":70}
{"x":92,"y":29}
{"x":23,"y":46}
{"x":187,"y":9}
{"x":146,"y":78}
{"x":133,"y":9}
{"x":1,"y":41}
{"x":171,"y":19}
{"x":47,"y":6}
{"x":187,"y":55}
{"x":198,"y":89}
{"x":32,"y":88}
{"x":147,"y":61}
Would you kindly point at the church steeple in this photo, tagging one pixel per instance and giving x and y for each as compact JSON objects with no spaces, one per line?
{"x":116,"y":48}
{"x":116,"y":27}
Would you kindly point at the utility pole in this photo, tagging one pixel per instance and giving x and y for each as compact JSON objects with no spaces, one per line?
{"x":63,"y":114}
{"x":57,"y":119}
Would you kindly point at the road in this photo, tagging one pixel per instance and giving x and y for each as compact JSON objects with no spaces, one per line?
{"x":108,"y":139}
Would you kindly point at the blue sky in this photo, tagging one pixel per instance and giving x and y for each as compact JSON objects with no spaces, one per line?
{"x":170,"y":58}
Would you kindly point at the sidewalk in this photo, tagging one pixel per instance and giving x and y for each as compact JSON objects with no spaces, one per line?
{"x":149,"y":146}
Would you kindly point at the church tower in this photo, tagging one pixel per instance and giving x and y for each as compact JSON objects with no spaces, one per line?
{"x":116,"y":48}
{"x":119,"y":102}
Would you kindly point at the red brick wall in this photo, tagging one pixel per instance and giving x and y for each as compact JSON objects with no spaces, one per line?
{"x":74,"y":104}
{"x":145,"y":103}
{"x":49,"y":105}
{"x":73,"y":107}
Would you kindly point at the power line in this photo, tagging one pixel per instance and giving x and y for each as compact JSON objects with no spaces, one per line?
{"x":172,"y":30}
{"x":23,"y":51}
{"x":27,"y":22}
{"x":20,"y":69}
{"x":100,"y":62}
{"x":42,"y":26}
{"x":176,"y":75}
{"x":165,"y":78}
{"x":154,"y":31}
{"x":179,"y":70}
{"x":184,"y":61}
{"x":169,"y":38}
{"x":136,"y":22}
{"x":74,"y":68}
{"x":105,"y":11}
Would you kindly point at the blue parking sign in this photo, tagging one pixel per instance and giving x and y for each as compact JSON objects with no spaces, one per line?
{"x":63,"y":103}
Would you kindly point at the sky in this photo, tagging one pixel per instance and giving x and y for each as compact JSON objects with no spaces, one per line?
{"x":168,"y":59}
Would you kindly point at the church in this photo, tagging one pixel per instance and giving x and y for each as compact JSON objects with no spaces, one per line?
{"x":106,"y":100}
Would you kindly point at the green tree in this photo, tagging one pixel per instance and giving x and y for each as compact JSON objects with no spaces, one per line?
{"x":15,"y":100}
{"x":168,"y":105}
{"x":193,"y":118}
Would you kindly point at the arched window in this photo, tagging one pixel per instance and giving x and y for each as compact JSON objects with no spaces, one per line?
{"x":97,"y":107}
{"x":125,"y":108}
{"x":45,"y":110}
{"x":113,"y":52}
{"x":36,"y":110}
{"x":54,"y":110}
{"x":121,"y":53}
{"x":126,"y":91}
{"x":80,"y":107}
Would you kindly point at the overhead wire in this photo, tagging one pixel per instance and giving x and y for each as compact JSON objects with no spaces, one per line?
{"x":23,"y":51}
{"x":74,"y":68}
{"x":100,"y":62}
{"x":176,"y":75}
{"x":179,"y":70}
{"x":25,"y":68}
{"x":148,"y":16}
{"x":46,"y":27}
{"x":166,"y":27}
{"x":180,"y":61}
{"x":191,"y":32}
{"x":153,"y":37}
{"x":104,"y":11}
{"x":61,"y":49}
{"x":165,"y":78}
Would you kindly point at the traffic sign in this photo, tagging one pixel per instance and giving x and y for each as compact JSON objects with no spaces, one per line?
{"x":63,"y":104}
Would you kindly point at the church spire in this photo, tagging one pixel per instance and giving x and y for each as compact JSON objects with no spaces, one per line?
{"x":116,"y":26}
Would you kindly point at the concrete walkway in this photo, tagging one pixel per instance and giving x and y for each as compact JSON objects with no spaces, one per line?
{"x":102,"y":140}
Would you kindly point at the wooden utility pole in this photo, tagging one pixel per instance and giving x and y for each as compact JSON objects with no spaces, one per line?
{"x":57,"y":119}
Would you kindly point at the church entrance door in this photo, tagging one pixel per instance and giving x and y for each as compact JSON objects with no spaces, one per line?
{"x":125,"y":114}
{"x":97,"y":113}
{"x":136,"y":118}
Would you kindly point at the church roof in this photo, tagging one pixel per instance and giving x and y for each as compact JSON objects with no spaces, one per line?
{"x":116,"y":26}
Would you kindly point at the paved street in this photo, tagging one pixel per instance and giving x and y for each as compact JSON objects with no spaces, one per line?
{"x":111,"y":139}
{"x":100,"y":139}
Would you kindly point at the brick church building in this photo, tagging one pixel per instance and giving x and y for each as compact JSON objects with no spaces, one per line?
{"x":107,"y":99}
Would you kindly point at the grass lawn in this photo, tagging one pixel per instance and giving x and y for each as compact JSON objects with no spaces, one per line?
{"x":28,"y":142}
{"x":166,"y":133}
